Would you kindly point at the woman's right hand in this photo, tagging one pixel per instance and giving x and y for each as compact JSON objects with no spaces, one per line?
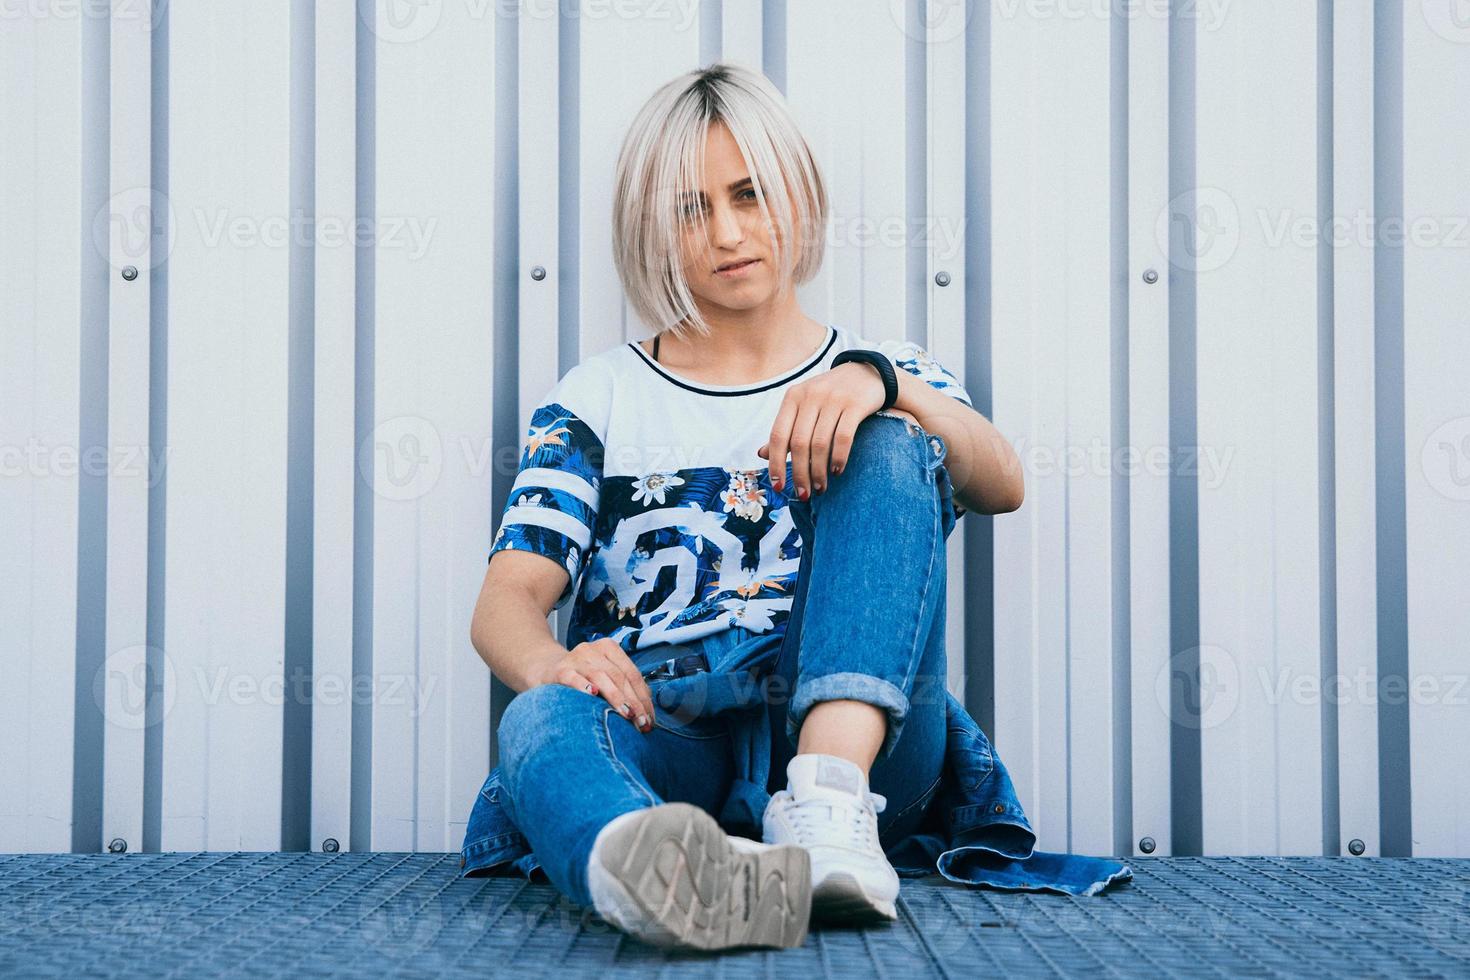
{"x":603,"y":668}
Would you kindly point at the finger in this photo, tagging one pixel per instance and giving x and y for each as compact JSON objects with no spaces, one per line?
{"x":620,"y":666}
{"x":777,"y":445}
{"x":634,"y":683}
{"x":573,"y":678}
{"x":613,"y":693}
{"x":801,"y":441}
{"x":821,"y":447}
{"x":843,"y":436}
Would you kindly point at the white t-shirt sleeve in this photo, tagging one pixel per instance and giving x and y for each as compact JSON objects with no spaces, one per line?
{"x":914,"y":359}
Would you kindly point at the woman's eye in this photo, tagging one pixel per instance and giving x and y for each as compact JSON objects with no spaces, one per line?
{"x":750,"y":191}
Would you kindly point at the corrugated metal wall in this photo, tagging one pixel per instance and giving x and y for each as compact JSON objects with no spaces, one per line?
{"x":1206,"y":265}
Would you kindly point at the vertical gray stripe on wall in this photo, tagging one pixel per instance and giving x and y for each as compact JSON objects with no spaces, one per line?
{"x":296,"y":715}
{"x":1122,"y":280}
{"x":711,"y":31}
{"x":773,"y":42}
{"x":916,"y":182}
{"x":979,"y":529}
{"x":1186,"y":792}
{"x":1394,"y":786}
{"x":569,"y":191}
{"x":569,"y":206}
{"x":154,"y":719}
{"x":91,"y":568}
{"x":1327,"y":433}
{"x":509,"y":277}
{"x":362,"y":492}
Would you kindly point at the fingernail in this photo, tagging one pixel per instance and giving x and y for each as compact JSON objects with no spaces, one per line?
{"x":623,"y":709}
{"x":803,"y":493}
{"x":642,"y":721}
{"x":820,"y":486}
{"x":591,"y":689}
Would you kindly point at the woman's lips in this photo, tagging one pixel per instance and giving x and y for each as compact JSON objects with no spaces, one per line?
{"x":735,"y":272}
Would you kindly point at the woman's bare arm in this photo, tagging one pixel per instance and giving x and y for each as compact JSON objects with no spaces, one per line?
{"x":510,"y":633}
{"x":509,"y":630}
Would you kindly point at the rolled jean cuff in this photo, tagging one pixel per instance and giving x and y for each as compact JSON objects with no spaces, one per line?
{"x":852,"y":687}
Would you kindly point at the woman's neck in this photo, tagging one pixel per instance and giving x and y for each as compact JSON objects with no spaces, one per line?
{"x":741,"y":352}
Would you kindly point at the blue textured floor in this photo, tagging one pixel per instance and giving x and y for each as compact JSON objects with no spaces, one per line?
{"x":410,"y":915}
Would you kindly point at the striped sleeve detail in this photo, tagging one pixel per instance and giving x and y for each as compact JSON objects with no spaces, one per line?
{"x":917,"y":361}
{"x":553,"y":504}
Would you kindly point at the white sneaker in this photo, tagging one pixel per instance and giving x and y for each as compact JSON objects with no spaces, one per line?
{"x":671,"y":876}
{"x":828,"y":809}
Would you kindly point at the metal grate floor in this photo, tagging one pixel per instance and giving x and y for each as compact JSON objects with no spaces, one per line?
{"x":264,"y":914}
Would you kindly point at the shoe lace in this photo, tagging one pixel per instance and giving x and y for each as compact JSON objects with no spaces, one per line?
{"x":817,"y":820}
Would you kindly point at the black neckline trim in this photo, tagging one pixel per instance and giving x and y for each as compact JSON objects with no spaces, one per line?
{"x":758,"y":387}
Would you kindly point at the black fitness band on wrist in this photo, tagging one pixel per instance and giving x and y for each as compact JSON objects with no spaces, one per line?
{"x":882,"y":364}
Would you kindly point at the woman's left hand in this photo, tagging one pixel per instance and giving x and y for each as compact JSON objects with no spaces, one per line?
{"x":816,"y":424}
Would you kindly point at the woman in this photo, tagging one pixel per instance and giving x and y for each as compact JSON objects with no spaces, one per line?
{"x":656,"y":478}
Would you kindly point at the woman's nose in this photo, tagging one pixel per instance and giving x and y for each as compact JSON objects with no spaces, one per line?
{"x":727,"y":227}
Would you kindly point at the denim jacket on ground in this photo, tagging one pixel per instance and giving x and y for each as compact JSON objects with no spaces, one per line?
{"x":974,"y":830}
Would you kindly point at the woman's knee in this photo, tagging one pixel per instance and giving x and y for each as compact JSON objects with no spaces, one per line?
{"x":890,"y":448}
{"x":538,"y":714}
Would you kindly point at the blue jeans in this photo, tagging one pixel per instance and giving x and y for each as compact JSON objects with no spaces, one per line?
{"x":867,"y":624}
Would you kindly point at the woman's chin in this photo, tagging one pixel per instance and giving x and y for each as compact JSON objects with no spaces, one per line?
{"x":744,"y":291}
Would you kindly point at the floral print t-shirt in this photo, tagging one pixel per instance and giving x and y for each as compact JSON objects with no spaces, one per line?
{"x":646,"y":487}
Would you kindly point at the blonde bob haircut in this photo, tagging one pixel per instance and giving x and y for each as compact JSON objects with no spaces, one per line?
{"x":660,"y":165}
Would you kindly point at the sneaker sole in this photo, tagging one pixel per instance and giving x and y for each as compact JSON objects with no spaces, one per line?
{"x":841,"y":898}
{"x":672,"y":878}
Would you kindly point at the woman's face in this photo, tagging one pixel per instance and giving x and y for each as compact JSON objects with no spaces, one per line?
{"x":738,"y":233}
